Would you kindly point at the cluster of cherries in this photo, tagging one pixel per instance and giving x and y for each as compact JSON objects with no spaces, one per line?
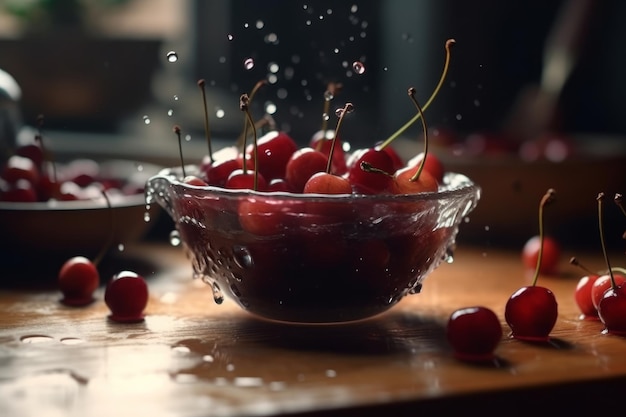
{"x":531,"y":312}
{"x":29,"y":175}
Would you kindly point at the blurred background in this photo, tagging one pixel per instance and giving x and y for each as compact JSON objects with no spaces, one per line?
{"x":113,"y":77}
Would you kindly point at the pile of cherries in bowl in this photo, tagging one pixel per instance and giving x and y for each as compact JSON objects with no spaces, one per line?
{"x":314,"y":234}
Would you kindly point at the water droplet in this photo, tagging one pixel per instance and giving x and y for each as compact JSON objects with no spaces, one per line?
{"x":146,"y":217}
{"x":174,"y":238}
{"x":230,"y":37}
{"x":175,"y":97}
{"x":271,"y":38}
{"x":270,"y":108}
{"x":181,"y":349}
{"x":120,"y":247}
{"x":336,"y":50}
{"x":222,"y":60}
{"x":146,"y":119}
{"x":281,"y":93}
{"x":172,"y":56}
{"x":354,"y":8}
{"x":246,"y":25}
{"x":170,"y":112}
{"x":260,"y":24}
{"x":273,"y":67}
{"x":243,"y":258}
{"x":219,"y":113}
{"x":308,"y":23}
{"x":36,"y":339}
{"x":328,"y":96}
{"x":247,"y":381}
{"x":331,"y":373}
{"x":248,"y":63}
{"x":358,"y":67}
{"x":72,"y":341}
{"x":139,"y":168}
{"x":477,"y":103}
{"x":208,"y":358}
{"x":459,"y":117}
{"x":325,"y":116}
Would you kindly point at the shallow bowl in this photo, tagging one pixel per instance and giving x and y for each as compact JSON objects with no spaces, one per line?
{"x":311,"y":258}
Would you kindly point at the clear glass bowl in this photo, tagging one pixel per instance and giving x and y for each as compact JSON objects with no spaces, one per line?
{"x":313,"y":258}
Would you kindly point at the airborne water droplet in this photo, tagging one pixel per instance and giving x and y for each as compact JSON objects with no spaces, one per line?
{"x":325,"y":116}
{"x":248,"y":63}
{"x":230,"y":37}
{"x":120,"y":247}
{"x":146,"y":217}
{"x":174,"y":238}
{"x":172,"y":56}
{"x":146,"y":119}
{"x":328,"y":96}
{"x":358,"y":67}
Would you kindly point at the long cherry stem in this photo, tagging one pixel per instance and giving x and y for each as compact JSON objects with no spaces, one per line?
{"x":243,"y":138}
{"x":420,"y":112}
{"x":574,"y":261}
{"x":180,"y":150}
{"x":449,"y":44}
{"x":342,"y":112}
{"x":547,"y":198}
{"x":244,"y":104}
{"x":600,"y":198}
{"x":207,"y":131}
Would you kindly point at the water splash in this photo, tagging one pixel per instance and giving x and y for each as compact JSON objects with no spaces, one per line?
{"x":172,"y":56}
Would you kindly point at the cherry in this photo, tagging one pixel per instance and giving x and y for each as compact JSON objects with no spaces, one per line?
{"x":474,"y":333}
{"x":582,"y":293}
{"x":369,"y":181}
{"x":126,"y":296}
{"x":432,"y":164}
{"x":531,"y":312}
{"x":77,"y":280}
{"x":241,"y":179}
{"x":21,"y":191}
{"x":79,"y":277}
{"x":302,"y":165}
{"x":602,"y":284}
{"x":20,"y":167}
{"x":274,"y":150}
{"x":612,"y":305}
{"x":550,"y":258}
{"x":326,"y":182}
{"x":322,"y":141}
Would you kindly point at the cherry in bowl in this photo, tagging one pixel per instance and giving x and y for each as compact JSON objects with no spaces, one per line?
{"x":314,"y":258}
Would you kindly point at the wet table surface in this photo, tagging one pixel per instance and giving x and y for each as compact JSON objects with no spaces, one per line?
{"x":191,"y":357}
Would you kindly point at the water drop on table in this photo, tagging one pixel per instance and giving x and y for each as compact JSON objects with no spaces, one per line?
{"x":172,"y":56}
{"x":36,"y":339}
{"x":218,"y":297}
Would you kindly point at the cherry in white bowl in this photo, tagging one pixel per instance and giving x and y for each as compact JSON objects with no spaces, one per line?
{"x":312,"y":258}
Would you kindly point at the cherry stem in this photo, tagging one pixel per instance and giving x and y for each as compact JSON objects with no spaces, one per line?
{"x":346,"y":109}
{"x":242,"y":139}
{"x":244,"y":103}
{"x":574,"y":261}
{"x":600,"y":198}
{"x":367,"y":167}
{"x":618,"y":200}
{"x":39,"y":139}
{"x":106,"y":247}
{"x":449,"y":44}
{"x":176,"y":130}
{"x":547,"y":198}
{"x":207,"y":131}
{"x":329,"y":95}
{"x":417,"y":174}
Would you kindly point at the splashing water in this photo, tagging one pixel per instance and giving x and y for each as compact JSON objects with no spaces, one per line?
{"x":172,"y":56}
{"x":358,"y":67}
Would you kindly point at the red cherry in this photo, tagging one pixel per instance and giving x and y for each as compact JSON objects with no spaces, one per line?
{"x":33,"y":151}
{"x":397,"y":160}
{"x":219,"y":171}
{"x":78,"y":279}
{"x":245,"y":180}
{"x":602,"y":284}
{"x":322,"y":141}
{"x":368,"y":181}
{"x":432,"y":164}
{"x":325,"y":183}
{"x":302,"y":165}
{"x":550,"y":258}
{"x":612,"y":310}
{"x":582,"y":293}
{"x":279,"y":184}
{"x":22,"y":191}
{"x":19,"y":167}
{"x":193,"y":180}
{"x":126,"y":295}
{"x":274,"y":150}
{"x":474,"y":333}
{"x":531,"y":312}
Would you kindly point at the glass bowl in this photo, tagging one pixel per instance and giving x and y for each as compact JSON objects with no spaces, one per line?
{"x":310,"y":258}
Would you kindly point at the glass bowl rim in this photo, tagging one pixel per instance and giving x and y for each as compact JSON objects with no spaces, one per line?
{"x":462,"y":186}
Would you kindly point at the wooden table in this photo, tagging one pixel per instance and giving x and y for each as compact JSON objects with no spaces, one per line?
{"x":191,"y":357}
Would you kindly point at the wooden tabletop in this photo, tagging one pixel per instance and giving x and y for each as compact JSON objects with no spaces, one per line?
{"x":191,"y":357}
